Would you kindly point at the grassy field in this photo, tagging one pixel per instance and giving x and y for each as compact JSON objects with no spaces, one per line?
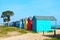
{"x":4,"y":30}
{"x":12,"y":31}
{"x":9,"y":31}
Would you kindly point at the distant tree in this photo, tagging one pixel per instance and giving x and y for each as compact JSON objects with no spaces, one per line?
{"x":6,"y":15}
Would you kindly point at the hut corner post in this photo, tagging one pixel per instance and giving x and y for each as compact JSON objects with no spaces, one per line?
{"x":55,"y":28}
{"x":54,"y":32}
{"x":43,"y":32}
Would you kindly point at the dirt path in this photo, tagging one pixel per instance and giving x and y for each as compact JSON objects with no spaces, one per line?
{"x":29,"y":36}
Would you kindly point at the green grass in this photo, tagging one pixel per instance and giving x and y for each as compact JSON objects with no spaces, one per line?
{"x":50,"y":31}
{"x":4,"y":30}
{"x":53,"y":39}
{"x":33,"y":32}
{"x":22,"y":31}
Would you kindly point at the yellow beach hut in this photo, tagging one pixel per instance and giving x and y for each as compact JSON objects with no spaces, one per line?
{"x":25,"y":23}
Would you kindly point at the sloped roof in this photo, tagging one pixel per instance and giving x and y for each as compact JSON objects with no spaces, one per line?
{"x":52,"y":18}
{"x":29,"y":17}
{"x":25,"y":18}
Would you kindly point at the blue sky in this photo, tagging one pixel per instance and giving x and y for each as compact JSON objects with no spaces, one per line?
{"x":26,"y":8}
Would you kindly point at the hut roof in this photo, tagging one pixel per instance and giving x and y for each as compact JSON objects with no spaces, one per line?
{"x":30,"y":18}
{"x":52,"y":18}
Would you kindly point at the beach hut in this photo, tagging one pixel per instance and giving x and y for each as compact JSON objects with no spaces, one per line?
{"x":22,"y":23}
{"x":25,"y":23}
{"x":42,"y":23}
{"x":29,"y":26}
{"x":6,"y":24}
{"x":14,"y":24}
{"x":18,"y":24}
{"x":11,"y":24}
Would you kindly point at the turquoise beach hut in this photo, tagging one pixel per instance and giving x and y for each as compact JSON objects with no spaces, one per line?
{"x":42,"y":23}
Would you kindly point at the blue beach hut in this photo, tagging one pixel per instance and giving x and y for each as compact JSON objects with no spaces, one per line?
{"x":11,"y":24}
{"x":18,"y":24}
{"x":22,"y":23}
{"x":14,"y":24}
{"x":42,"y":23}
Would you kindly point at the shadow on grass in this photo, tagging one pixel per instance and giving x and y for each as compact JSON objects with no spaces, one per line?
{"x":53,"y":36}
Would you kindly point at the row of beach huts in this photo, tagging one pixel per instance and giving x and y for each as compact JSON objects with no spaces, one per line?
{"x":36,"y":23}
